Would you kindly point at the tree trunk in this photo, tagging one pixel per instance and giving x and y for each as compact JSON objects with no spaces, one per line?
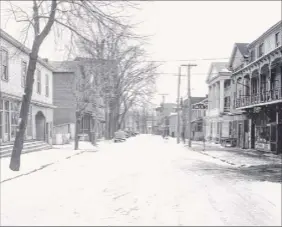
{"x":77,"y":123}
{"x":18,"y":144}
{"x":39,"y":38}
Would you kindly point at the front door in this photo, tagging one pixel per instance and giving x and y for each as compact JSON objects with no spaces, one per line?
{"x":40,"y":126}
{"x":279,"y":140}
{"x":273,"y":136}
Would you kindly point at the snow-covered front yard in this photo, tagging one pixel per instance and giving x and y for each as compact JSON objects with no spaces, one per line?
{"x":144,"y":181}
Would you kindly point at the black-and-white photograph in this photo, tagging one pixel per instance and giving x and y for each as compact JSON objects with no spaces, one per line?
{"x":140,"y":113}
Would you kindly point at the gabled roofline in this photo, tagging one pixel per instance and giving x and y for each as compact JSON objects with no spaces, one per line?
{"x":22,"y":48}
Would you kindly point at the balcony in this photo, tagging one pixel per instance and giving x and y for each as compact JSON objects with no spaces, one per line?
{"x":226,"y":109}
{"x":263,"y":97}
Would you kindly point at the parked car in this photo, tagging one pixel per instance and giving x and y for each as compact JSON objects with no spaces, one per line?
{"x":120,"y":136}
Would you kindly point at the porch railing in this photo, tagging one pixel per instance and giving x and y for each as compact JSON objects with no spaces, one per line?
{"x":263,"y":97}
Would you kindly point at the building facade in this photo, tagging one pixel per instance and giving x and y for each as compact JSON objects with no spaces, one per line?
{"x":197,"y":120}
{"x":218,"y":120}
{"x":184,"y":115}
{"x":162,"y":117}
{"x":257,"y":91}
{"x":14,"y":62}
{"x":69,"y":99}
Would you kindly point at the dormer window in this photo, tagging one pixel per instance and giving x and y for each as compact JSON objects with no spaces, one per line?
{"x":261,"y":50}
{"x":277,"y":39}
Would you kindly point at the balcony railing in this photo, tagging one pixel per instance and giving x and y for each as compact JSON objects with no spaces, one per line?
{"x":263,"y":97}
{"x":226,"y":108}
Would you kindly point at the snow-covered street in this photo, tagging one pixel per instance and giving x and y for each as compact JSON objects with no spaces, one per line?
{"x":143,"y":181}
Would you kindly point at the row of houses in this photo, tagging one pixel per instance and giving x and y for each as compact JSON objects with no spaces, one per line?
{"x":244,"y":101}
{"x":53,"y":105}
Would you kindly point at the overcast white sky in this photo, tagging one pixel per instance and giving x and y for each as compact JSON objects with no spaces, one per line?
{"x":186,"y":30}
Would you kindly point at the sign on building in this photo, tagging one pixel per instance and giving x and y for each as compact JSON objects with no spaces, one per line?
{"x":199,"y":106}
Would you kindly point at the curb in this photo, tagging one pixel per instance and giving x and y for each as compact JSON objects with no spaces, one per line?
{"x":40,"y":168}
{"x":222,"y":160}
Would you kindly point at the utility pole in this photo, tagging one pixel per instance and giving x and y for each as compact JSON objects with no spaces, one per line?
{"x":178,"y":105}
{"x":189,"y":66}
{"x":164,"y":129}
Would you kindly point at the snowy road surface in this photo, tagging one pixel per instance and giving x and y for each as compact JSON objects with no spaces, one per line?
{"x":144,"y":181}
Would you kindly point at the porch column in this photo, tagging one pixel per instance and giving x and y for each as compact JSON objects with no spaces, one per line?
{"x":221,"y":96}
{"x":278,"y":130}
{"x":270,"y":92}
{"x":209,"y":98}
{"x":235,"y":91}
{"x":259,"y":85}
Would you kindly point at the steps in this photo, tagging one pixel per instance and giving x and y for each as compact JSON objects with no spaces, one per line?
{"x":29,"y":146}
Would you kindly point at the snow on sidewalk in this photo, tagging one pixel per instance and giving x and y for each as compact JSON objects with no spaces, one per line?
{"x":33,"y":161}
{"x":241,"y":159}
{"x":237,"y":157}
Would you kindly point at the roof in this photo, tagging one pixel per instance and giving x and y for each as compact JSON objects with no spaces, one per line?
{"x":243,"y":48}
{"x":275,"y":26}
{"x":195,"y":100}
{"x":221,"y":67}
{"x":22,"y":47}
{"x":64,"y":66}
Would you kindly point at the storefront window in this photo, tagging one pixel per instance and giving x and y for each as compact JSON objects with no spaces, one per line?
{"x":262,"y":134}
{"x":6,"y":117}
{"x":15,"y":108}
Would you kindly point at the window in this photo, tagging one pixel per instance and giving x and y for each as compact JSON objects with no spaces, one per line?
{"x":252,"y":55}
{"x":277,"y":39}
{"x":227,"y":102}
{"x":230,"y":129}
{"x":199,"y":127}
{"x":4,"y":64}
{"x":261,"y":50}
{"x":24,"y":70}
{"x":47,"y":85}
{"x":38,"y":82}
{"x":7,"y":117}
{"x":15,"y":109}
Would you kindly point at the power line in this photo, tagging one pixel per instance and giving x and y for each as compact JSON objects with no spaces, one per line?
{"x":195,"y":59}
{"x":174,"y":74}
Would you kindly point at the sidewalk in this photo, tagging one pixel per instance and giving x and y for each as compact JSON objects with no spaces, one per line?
{"x":236,"y":156}
{"x":34,"y":161}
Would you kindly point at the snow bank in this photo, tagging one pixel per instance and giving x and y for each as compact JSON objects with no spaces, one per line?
{"x":35,"y":160}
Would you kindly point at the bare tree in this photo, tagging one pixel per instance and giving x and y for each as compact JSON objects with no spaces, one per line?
{"x":133,"y":81}
{"x":76,"y":17}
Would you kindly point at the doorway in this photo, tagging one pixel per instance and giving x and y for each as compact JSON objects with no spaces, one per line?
{"x":40,"y":126}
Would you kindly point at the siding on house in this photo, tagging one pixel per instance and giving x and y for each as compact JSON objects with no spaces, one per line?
{"x":64,"y":98}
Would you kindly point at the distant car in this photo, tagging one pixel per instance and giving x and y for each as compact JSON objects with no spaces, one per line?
{"x":120,"y":136}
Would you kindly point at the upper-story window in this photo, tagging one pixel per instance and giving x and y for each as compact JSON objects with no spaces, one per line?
{"x":4,"y":64}
{"x":24,"y":70}
{"x":261,"y":50}
{"x":252,"y":55}
{"x":38,"y":81}
{"x":47,"y":85}
{"x":277,"y":39}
